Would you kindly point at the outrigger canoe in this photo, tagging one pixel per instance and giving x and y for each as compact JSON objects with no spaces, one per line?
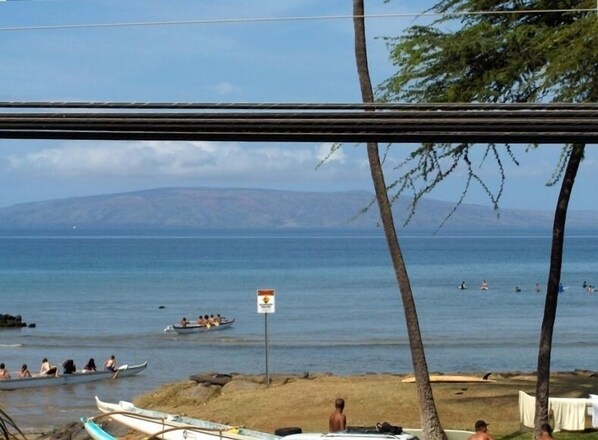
{"x":70,"y":379}
{"x":95,"y":430}
{"x":173,"y":427}
{"x":197,"y":328}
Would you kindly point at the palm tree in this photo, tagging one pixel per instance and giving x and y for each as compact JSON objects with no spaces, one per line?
{"x":8,"y":428}
{"x":430,"y":421}
{"x":552,"y":289}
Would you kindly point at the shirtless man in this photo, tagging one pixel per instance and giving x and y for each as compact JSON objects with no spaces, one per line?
{"x":110,"y":364}
{"x":45,"y":367}
{"x":337,"y":420}
{"x":4,"y":372}
{"x":24,"y":371}
{"x":481,"y":432}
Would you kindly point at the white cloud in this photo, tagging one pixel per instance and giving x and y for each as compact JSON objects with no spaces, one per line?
{"x":176,"y":162}
{"x":331,"y":153}
{"x":224,"y":88}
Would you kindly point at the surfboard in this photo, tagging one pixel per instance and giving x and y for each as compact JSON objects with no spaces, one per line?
{"x":447,"y":378}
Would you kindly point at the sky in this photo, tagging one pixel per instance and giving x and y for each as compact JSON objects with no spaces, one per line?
{"x":293,"y":51}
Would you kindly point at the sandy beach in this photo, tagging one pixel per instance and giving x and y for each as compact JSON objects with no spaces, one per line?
{"x":370,"y":398}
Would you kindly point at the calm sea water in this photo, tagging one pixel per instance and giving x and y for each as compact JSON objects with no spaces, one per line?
{"x":338,"y":307}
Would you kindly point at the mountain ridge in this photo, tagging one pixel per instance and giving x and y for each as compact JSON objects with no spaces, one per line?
{"x":209,"y":208}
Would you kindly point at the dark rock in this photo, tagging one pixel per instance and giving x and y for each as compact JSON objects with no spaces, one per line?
{"x":10,"y":321}
{"x":211,"y":378}
{"x":70,"y":431}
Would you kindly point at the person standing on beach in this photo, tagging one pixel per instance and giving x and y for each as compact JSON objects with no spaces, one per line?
{"x":481,"y":431}
{"x":337,"y":420}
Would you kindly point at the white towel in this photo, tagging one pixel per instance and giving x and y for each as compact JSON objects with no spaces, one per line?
{"x":593,"y":410}
{"x":568,"y":413}
{"x":527,"y":409}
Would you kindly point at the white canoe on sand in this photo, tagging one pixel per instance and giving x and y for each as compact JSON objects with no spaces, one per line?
{"x":69,"y":379}
{"x":173,"y":427}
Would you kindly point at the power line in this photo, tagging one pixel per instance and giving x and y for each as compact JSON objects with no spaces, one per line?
{"x":286,"y":19}
{"x":557,"y":123}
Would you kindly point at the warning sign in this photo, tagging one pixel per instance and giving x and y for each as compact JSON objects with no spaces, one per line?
{"x":265,"y":300}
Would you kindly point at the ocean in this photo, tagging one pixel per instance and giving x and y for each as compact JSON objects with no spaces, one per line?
{"x":338,"y":308}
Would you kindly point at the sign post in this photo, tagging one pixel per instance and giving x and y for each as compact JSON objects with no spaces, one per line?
{"x":265,"y":305}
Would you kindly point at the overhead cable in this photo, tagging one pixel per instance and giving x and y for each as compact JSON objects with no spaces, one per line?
{"x":286,"y":19}
{"x":393,"y":123}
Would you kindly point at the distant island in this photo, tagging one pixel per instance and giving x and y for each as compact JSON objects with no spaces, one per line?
{"x":211,"y":208}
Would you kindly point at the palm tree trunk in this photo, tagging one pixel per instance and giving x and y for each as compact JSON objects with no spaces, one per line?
{"x":430,"y":421}
{"x":552,"y":289}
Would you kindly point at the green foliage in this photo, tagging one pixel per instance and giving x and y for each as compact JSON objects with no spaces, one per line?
{"x":502,"y":57}
{"x":494,"y":51}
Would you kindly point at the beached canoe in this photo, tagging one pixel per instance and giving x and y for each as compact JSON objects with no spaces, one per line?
{"x":174,"y":427}
{"x":196,"y":328}
{"x":70,"y":379}
{"x":95,"y":431}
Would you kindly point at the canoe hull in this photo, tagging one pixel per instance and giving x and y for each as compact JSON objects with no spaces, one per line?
{"x":170,"y":427}
{"x":70,"y":379}
{"x":95,"y":431}
{"x":195,"y":328}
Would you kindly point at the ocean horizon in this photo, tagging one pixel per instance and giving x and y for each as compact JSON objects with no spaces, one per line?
{"x":338,"y":308}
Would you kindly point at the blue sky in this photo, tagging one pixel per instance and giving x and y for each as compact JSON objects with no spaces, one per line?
{"x":290,"y":60}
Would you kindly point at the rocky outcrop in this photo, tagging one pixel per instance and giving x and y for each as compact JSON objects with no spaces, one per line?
{"x":221,"y":379}
{"x":10,"y":321}
{"x":211,"y":384}
{"x":212,"y":378}
{"x":71,"y":431}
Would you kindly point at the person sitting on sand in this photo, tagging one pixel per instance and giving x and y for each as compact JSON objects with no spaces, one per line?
{"x":4,"y":374}
{"x":24,"y":371}
{"x":481,"y":431}
{"x":337,"y":420}
{"x":110,"y":364}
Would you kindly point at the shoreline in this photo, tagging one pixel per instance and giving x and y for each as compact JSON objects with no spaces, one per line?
{"x":370,"y":398}
{"x":305,"y":400}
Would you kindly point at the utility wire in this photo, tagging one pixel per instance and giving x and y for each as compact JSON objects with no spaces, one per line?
{"x":286,"y":19}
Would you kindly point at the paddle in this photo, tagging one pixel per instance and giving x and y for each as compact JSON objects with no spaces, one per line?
{"x":118,"y":370}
